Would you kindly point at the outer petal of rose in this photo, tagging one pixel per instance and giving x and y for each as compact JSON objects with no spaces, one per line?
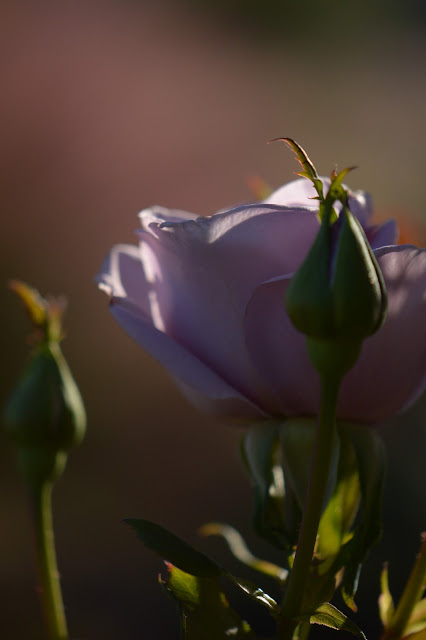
{"x":301,"y":193}
{"x":201,"y":274}
{"x":384,"y":235}
{"x":391,"y":371}
{"x":278,"y":351}
{"x":202,"y":385}
{"x":158,"y":215}
{"x":298,"y":192}
{"x":122,"y":276}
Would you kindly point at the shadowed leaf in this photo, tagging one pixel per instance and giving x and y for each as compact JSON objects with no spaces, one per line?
{"x":240,"y":550}
{"x":259,"y":450}
{"x":175,"y":550}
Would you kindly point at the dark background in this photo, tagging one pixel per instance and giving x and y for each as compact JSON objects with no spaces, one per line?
{"x":108,"y":107}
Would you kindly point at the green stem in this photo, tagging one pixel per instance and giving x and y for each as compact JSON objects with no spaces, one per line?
{"x":411,"y":595}
{"x":49,"y":586}
{"x":299,"y":575}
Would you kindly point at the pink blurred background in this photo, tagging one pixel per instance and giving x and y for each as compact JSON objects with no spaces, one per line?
{"x":108,"y":107}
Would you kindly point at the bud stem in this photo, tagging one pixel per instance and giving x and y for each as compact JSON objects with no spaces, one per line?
{"x":411,"y":595}
{"x":320,"y":470}
{"x":48,"y":577}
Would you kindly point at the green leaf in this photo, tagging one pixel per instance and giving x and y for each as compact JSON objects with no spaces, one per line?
{"x":184,"y":587}
{"x":204,"y":608}
{"x":34,"y":303}
{"x":386,"y":604}
{"x":191,"y":561}
{"x":259,"y":451}
{"x":297,"y":438}
{"x":342,"y":506}
{"x":45,"y":314}
{"x":420,"y":635}
{"x":309,"y":170}
{"x":255,"y":593}
{"x":417,"y":620}
{"x":410,"y":614}
{"x":371,"y":462}
{"x":336,"y":190}
{"x":175,"y":550}
{"x":240,"y":550}
{"x":327,"y":615}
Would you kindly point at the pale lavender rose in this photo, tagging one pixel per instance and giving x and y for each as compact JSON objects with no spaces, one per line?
{"x":205,"y":297}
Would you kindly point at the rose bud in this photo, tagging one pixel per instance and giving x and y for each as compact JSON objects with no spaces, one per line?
{"x":44,"y":415}
{"x":337,"y":296}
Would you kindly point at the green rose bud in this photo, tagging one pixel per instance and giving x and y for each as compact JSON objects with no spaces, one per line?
{"x":45,"y":415}
{"x":337,"y":298}
{"x":338,"y":292}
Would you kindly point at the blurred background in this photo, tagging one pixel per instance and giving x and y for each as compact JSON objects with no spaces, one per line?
{"x":109,"y":106}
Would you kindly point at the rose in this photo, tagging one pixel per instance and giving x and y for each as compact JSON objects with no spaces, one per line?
{"x":204,"y":296}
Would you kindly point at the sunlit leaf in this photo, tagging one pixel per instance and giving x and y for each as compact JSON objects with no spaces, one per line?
{"x":255,"y":593}
{"x":410,"y":613}
{"x":328,"y":615}
{"x":417,"y":620}
{"x":204,"y":608}
{"x":420,"y":635}
{"x":371,"y":462}
{"x":386,"y":605}
{"x":34,"y":303}
{"x":336,"y":190}
{"x":342,"y":505}
{"x":309,"y":170}
{"x":45,"y":314}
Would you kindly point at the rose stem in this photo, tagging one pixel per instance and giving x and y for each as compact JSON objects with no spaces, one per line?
{"x":320,"y":470}
{"x":411,"y":595}
{"x":49,"y":586}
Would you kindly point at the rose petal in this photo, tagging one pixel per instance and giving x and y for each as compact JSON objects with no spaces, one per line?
{"x":157,"y":215}
{"x":384,"y":235}
{"x":122,"y":276}
{"x":296,"y":193}
{"x":278,"y":351}
{"x":300,"y":193}
{"x":391,"y":371}
{"x":203,"y":387}
{"x":201,"y":273}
